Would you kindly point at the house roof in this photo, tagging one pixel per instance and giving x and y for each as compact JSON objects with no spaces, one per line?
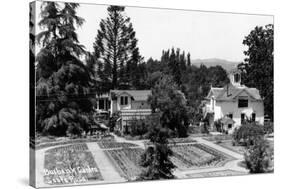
{"x":230,"y":91}
{"x":137,"y":95}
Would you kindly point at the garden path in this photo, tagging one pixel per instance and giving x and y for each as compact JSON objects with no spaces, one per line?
{"x":219,"y":148}
{"x":229,"y":166}
{"x":140,"y":143}
{"x":109,"y":174}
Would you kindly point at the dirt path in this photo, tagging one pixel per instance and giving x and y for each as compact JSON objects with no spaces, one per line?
{"x":140,"y":143}
{"x":106,"y":168}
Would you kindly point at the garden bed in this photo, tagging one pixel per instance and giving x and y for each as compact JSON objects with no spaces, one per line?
{"x":222,"y":173}
{"x":70,"y":164}
{"x":49,"y":142}
{"x":173,"y":141}
{"x":228,"y":145}
{"x":191,"y":156}
{"x":110,"y":145}
{"x":126,"y":161}
{"x":218,"y":138}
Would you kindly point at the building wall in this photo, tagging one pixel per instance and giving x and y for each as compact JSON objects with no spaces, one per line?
{"x":223,"y":108}
{"x":140,"y":105}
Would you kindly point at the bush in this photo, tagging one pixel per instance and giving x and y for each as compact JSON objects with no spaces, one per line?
{"x":259,"y":157}
{"x":247,"y":134}
{"x":137,"y":127}
{"x":112,"y":121}
{"x":268,"y":127}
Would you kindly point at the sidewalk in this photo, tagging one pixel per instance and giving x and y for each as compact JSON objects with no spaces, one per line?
{"x":109,"y":174}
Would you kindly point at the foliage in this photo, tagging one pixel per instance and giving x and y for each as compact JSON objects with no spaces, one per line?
{"x":156,"y":158}
{"x":268,"y":127}
{"x":63,"y":104}
{"x":138,"y":127}
{"x":257,"y":70}
{"x":248,"y":133}
{"x":259,"y":157}
{"x":119,"y":61}
{"x":171,"y":104}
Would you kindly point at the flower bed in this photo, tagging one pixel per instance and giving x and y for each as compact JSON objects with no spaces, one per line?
{"x":227,"y":172}
{"x":70,"y":164}
{"x":40,"y":144}
{"x":196,"y":156}
{"x":218,"y":138}
{"x":172,"y":141}
{"x":126,"y":161}
{"x":108,"y":145}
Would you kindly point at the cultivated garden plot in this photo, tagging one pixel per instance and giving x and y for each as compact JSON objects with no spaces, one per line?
{"x":70,"y":164}
{"x":185,"y":156}
{"x":190,"y":156}
{"x":126,"y":161}
{"x":215,"y":174}
{"x":109,"y":145}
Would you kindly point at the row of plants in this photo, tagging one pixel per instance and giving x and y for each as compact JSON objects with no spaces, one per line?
{"x":63,"y":141}
{"x":108,"y":145}
{"x":175,"y":141}
{"x":126,"y":161}
{"x":70,"y":164}
{"x":73,"y":148}
{"x":196,"y":155}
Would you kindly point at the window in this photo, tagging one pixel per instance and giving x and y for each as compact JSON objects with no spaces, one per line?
{"x":229,"y":126}
{"x":101,"y":104}
{"x":124,"y":100}
{"x":230,"y":116}
{"x":253,"y":117}
{"x":237,"y":78}
{"x":242,"y":118}
{"x":242,"y":103}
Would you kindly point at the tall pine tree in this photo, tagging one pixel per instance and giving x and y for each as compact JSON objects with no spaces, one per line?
{"x":116,"y":49}
{"x":63,"y":104}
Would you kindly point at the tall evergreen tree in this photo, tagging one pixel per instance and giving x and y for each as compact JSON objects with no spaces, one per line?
{"x":116,"y":49}
{"x":62,"y":88}
{"x":188,"y":59}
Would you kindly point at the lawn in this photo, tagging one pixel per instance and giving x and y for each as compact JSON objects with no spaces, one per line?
{"x":70,"y":164}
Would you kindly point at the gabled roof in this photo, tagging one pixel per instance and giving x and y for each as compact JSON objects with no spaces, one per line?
{"x":230,"y":91}
{"x":137,"y":95}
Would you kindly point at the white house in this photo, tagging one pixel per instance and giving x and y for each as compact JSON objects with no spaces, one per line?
{"x":130,"y":104}
{"x":234,"y":101}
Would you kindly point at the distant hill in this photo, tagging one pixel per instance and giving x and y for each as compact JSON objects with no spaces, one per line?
{"x":227,"y":65}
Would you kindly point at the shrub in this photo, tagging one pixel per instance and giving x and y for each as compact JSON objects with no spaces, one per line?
{"x":247,"y":133}
{"x":112,"y":121}
{"x":268,"y":127}
{"x":259,"y":157}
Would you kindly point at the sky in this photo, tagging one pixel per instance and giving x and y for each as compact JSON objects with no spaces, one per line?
{"x":204,"y":34}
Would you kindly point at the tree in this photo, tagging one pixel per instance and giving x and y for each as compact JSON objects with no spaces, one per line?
{"x":259,"y":157}
{"x":171,"y":104}
{"x":116,"y":49}
{"x":257,"y":69}
{"x":248,"y":133}
{"x":156,"y":158}
{"x":62,"y":87}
